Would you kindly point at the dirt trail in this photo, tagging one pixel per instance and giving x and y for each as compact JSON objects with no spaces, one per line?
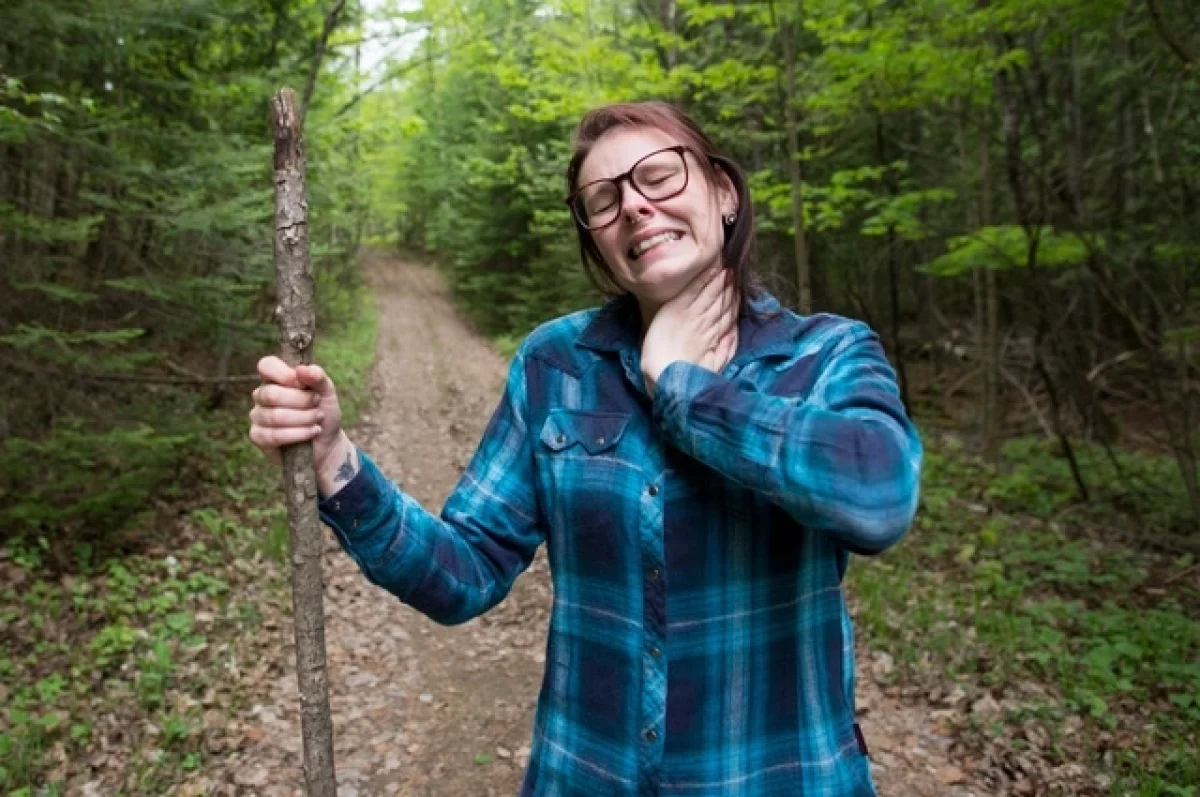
{"x":419,"y":709}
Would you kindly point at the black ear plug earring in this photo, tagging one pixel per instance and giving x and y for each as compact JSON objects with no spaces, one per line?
{"x":729,"y":218}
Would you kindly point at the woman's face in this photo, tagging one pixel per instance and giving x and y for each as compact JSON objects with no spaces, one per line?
{"x":686,"y":229}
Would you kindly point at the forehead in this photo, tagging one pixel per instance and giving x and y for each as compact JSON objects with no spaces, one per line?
{"x":618,"y":149}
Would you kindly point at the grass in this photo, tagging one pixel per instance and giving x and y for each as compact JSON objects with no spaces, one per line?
{"x":1006,"y":587}
{"x":348,"y":354}
{"x":131,"y":649}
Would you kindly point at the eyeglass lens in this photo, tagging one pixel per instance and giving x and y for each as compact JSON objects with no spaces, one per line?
{"x":661,"y":175}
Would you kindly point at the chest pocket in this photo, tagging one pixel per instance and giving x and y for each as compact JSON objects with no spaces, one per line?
{"x":588,"y":480}
{"x":593,"y":432}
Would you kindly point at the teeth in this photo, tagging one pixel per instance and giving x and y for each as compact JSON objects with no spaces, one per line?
{"x":655,"y":240}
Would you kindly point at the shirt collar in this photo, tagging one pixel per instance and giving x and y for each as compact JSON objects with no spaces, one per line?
{"x":617,"y":327}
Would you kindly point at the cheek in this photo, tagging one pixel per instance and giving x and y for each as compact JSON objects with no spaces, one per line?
{"x":612,"y":256}
{"x":703,"y":221}
{"x":607,"y":244}
{"x":707,"y":227}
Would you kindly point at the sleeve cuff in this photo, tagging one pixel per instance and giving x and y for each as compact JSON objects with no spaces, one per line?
{"x":677,"y":385}
{"x":351,"y":509}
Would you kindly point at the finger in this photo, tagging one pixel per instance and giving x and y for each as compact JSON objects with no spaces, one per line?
{"x":710,"y":296}
{"x":720,"y":354}
{"x":273,"y":369}
{"x":712,"y":319}
{"x":729,"y":334}
{"x":727,"y":296}
{"x":725,"y":325}
{"x":735,"y":307}
{"x":695,"y":288}
{"x":263,"y":437}
{"x":314,"y":378}
{"x":281,"y":417}
{"x":725,"y":348}
{"x":711,"y":303}
{"x":280,"y":396}
{"x":729,"y":349}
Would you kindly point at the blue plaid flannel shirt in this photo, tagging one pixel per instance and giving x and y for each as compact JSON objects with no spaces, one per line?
{"x":699,"y":641}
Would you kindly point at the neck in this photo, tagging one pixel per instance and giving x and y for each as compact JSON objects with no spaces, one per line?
{"x":648,"y":309}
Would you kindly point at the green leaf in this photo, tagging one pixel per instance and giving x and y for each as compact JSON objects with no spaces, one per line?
{"x":58,"y":292}
{"x":1005,"y":247}
{"x":49,"y":721}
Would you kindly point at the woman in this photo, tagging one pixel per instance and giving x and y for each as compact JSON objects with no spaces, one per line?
{"x":699,"y":462}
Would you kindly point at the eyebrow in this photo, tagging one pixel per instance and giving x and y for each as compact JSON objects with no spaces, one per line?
{"x":580,"y":182}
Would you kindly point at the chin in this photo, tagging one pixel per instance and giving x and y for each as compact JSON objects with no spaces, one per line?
{"x":663,"y":280}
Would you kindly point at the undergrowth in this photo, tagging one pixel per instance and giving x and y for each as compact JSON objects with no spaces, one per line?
{"x":117,"y":662}
{"x":1008,"y":586}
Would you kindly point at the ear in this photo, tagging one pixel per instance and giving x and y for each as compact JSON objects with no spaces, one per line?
{"x":727,"y":200}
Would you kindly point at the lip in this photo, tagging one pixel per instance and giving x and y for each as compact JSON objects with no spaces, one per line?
{"x":650,"y":233}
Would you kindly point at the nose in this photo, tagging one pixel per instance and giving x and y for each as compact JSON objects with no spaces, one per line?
{"x":634,"y":206}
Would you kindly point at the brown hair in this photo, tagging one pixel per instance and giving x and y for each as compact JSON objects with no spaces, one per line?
{"x":738,"y":250}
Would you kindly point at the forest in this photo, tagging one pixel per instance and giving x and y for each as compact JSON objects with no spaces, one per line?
{"x":1008,"y":191}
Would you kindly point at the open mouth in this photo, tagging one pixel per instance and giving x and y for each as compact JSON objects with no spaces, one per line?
{"x":644,"y":246}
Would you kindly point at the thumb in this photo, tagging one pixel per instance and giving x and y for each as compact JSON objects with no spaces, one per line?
{"x":314,"y":378}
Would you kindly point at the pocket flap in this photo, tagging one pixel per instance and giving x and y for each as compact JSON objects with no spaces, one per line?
{"x":595,"y":431}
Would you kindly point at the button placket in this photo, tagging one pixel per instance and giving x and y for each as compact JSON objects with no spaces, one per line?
{"x":652,"y":507}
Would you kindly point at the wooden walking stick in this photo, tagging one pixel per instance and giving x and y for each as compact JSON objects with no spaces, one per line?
{"x":297,"y":328}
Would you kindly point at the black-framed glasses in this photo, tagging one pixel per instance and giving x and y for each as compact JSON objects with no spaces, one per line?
{"x":660,"y":175}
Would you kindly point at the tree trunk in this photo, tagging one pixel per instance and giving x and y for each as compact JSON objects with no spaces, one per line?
{"x":893,"y":266}
{"x":803,"y":270}
{"x":314,"y":68}
{"x":991,"y":333}
{"x":983,"y":284}
{"x":297,"y":326}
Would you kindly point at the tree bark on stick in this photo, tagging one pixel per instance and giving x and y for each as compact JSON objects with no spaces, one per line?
{"x":297,"y":327}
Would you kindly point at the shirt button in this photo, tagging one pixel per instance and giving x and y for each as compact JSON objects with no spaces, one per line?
{"x":337,"y":506}
{"x":653,"y":574}
{"x":599,"y":441}
{"x":562,"y":438}
{"x":653,"y":490}
{"x":651,"y":735}
{"x":655,"y":653}
{"x":354,"y":524}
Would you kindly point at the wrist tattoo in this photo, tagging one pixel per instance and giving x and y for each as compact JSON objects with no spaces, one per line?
{"x":346,"y":472}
